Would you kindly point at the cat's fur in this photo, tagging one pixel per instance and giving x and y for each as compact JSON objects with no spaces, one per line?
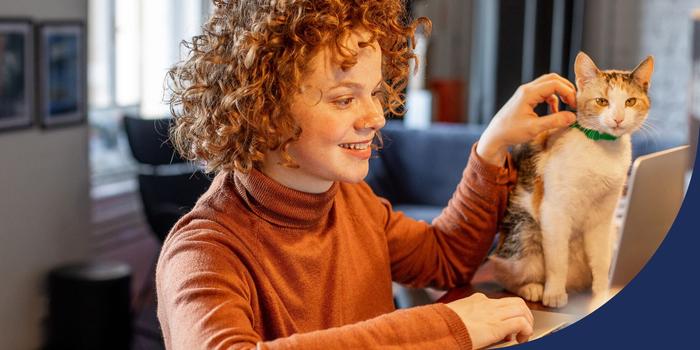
{"x":557,"y":233}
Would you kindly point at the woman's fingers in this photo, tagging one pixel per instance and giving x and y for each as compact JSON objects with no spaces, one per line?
{"x":554,"y":76}
{"x":553,"y":102}
{"x":515,"y":307}
{"x":518,"y":326}
{"x":516,"y":319}
{"x":553,"y":121}
{"x":547,"y":85}
{"x":538,"y":92}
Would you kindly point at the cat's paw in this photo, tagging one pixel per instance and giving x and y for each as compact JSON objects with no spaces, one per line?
{"x":601,"y":294}
{"x":555,"y":297}
{"x":531,"y":292}
{"x":600,"y":290}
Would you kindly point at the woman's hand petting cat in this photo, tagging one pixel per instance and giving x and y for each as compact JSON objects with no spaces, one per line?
{"x":517,"y":121}
{"x":492,"y":320}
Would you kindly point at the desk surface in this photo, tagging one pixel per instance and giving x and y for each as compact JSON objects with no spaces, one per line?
{"x":484,"y":282}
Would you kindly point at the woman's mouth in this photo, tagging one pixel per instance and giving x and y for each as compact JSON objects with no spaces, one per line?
{"x":356,"y":146}
{"x":362,"y":150}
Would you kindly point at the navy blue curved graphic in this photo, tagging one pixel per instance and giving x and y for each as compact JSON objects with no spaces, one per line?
{"x":660,"y":307}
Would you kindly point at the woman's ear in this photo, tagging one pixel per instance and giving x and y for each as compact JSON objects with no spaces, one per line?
{"x":642,"y":73}
{"x":585,"y":69}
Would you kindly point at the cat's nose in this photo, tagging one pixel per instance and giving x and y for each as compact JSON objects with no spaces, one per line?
{"x":619,"y":119}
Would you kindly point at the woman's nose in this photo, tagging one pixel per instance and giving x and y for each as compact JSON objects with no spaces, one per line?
{"x":374,"y":122}
{"x":373,"y":118}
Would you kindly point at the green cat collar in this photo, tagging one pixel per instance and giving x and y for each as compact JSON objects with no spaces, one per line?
{"x":594,"y":134}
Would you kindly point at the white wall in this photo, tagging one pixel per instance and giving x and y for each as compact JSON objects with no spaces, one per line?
{"x":44,"y":202}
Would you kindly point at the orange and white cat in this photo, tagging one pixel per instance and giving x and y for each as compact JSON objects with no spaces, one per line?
{"x":557,"y":233}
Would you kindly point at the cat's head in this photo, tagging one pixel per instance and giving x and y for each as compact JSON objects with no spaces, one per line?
{"x":612,"y":101}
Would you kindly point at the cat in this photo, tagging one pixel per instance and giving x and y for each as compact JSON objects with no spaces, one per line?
{"x":557,"y":233}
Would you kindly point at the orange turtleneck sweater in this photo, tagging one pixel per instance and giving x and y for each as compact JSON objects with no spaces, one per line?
{"x":259,"y":264}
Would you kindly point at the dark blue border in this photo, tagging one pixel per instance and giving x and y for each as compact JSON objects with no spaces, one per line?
{"x":660,"y":307}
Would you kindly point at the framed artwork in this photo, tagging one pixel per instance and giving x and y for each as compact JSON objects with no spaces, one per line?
{"x":61,"y":48}
{"x":16,"y":73}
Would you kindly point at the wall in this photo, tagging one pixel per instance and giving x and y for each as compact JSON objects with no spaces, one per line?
{"x":449,"y":43}
{"x":44,"y":202}
{"x":619,"y":34}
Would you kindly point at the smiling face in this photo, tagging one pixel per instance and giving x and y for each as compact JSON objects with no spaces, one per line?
{"x":339,"y":112}
{"x":611,"y":101}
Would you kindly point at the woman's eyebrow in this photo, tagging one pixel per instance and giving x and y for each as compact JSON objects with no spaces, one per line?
{"x":352,"y":85}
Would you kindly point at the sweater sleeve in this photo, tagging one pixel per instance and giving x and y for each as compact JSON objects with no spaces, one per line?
{"x":401,"y":329}
{"x":205,"y":298}
{"x":448,"y":252}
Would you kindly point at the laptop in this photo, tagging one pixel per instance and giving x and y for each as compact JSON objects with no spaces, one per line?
{"x":655,"y":191}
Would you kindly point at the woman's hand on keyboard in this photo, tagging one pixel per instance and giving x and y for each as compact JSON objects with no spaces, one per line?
{"x":492,"y":320}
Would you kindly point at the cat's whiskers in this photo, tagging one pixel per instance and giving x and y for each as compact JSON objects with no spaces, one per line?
{"x":650,"y":129}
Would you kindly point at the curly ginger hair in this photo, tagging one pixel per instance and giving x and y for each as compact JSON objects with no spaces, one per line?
{"x":231,"y":95}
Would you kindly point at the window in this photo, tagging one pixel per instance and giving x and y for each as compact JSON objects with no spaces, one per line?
{"x":131,"y":45}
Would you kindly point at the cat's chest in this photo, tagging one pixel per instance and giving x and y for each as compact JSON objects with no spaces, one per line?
{"x":578,"y":161}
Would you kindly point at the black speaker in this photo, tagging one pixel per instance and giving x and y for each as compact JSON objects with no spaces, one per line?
{"x":89,"y":307}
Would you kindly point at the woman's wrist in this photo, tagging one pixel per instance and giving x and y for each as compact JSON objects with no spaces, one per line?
{"x":492,"y":152}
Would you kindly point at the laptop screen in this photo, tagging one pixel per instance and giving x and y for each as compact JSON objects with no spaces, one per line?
{"x":655,"y":193}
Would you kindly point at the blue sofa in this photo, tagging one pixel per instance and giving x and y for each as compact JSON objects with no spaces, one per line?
{"x":418,"y":170}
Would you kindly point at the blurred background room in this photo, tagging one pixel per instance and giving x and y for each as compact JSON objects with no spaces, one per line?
{"x":89,"y":186}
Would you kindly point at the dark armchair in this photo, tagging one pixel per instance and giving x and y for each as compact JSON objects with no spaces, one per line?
{"x":169,"y":186}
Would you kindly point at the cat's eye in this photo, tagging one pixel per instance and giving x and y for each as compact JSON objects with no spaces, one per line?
{"x":631,"y":102}
{"x":601,"y":102}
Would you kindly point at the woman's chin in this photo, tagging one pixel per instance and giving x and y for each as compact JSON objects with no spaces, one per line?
{"x":355,"y":176}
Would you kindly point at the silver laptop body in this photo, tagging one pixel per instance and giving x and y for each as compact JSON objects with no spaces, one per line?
{"x":656,"y":186}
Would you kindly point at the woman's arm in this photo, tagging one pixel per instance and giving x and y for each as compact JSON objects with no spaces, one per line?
{"x":448,"y":252}
{"x":206,"y":298}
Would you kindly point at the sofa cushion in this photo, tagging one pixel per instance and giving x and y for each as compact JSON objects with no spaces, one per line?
{"x":645,"y":143}
{"x":421,"y":166}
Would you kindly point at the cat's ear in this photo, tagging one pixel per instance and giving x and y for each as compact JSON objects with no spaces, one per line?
{"x":642,"y":73}
{"x":585,"y":69}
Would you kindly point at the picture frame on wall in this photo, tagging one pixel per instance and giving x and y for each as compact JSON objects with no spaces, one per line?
{"x":61,"y":68}
{"x":16,"y":73}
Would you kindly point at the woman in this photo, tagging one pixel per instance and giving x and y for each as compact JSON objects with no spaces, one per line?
{"x":289,"y":248}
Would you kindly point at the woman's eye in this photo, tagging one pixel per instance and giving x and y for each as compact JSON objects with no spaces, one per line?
{"x":631,"y":102}
{"x":601,"y":102}
{"x":344,"y":102}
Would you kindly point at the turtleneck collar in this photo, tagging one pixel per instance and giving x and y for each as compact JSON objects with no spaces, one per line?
{"x":282,"y":205}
